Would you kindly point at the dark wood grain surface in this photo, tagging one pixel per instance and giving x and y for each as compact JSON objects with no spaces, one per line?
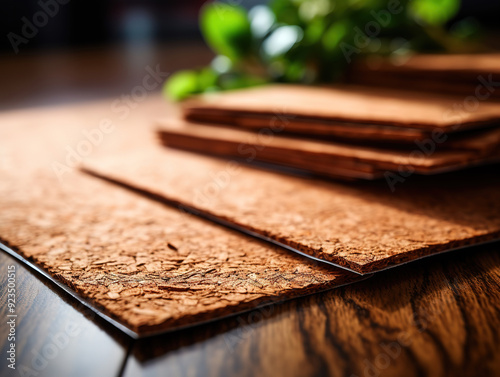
{"x":54,"y":335}
{"x":435,"y":317}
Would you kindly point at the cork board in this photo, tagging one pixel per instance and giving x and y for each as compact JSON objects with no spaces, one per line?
{"x":297,"y":125}
{"x":348,"y":111}
{"x":365,"y":227}
{"x":457,"y":66}
{"x":150,"y":267}
{"x":327,"y":158}
{"x":453,"y":74}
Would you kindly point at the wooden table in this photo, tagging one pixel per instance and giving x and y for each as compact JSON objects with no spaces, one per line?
{"x":438,"y":316}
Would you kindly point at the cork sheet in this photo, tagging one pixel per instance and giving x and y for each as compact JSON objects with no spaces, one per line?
{"x":452,"y":67}
{"x":354,"y":161}
{"x":150,"y":267}
{"x":351,"y":112}
{"x":362,"y":226}
{"x":212,"y":140}
{"x":302,"y":126}
{"x":477,"y":75}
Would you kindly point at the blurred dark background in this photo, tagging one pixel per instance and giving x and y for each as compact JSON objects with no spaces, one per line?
{"x":99,"y":48}
{"x":109,"y":22}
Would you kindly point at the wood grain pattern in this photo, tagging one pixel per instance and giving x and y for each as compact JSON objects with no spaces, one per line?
{"x":55,"y":336}
{"x":337,"y":333}
{"x":434,"y":318}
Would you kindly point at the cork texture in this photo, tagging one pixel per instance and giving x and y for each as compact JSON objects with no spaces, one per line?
{"x":150,"y":267}
{"x":348,"y":106}
{"x":471,"y":74}
{"x":453,"y":65}
{"x":300,"y":125}
{"x":363,"y":226}
{"x":322,"y":157}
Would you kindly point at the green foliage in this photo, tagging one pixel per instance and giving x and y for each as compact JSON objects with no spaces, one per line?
{"x":306,"y":41}
{"x":434,"y":12}
{"x":181,"y":85}
{"x":226,"y":29}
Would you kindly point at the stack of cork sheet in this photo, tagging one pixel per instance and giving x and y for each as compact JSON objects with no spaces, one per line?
{"x":158,"y":237}
{"x":148,"y":266}
{"x":361,"y":226}
{"x":348,"y":132}
{"x":476,"y":75}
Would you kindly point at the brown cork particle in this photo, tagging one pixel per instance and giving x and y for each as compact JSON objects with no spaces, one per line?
{"x":363,"y":226}
{"x":328,"y":158}
{"x":464,"y":75}
{"x":115,"y":249}
{"x":150,"y":267}
{"x":344,"y":111}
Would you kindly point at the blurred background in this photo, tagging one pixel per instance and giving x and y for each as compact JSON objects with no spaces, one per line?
{"x":89,"y":49}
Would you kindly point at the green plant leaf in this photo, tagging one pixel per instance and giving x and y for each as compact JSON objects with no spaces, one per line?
{"x":181,"y":85}
{"x":226,"y":29}
{"x":433,"y":12}
{"x":301,"y":40}
{"x":334,"y":35}
{"x":207,"y":78}
{"x":314,"y":31}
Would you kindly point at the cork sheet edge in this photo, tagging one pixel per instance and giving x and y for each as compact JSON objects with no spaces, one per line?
{"x":231,"y":225}
{"x":90,"y":305}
